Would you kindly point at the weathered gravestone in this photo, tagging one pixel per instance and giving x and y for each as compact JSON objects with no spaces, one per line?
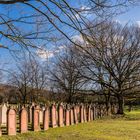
{"x":23,"y":120}
{"x":56,"y":116}
{"x":41,"y":116}
{"x":53,"y":116}
{"x":85,"y":114}
{"x":89,"y":113}
{"x":11,"y":122}
{"x":60,"y":117}
{"x":46,"y":119}
{"x":67,"y":120}
{"x":36,"y":123}
{"x":3,"y":114}
{"x":75,"y":115}
{"x":30,"y":112}
{"x":78,"y":112}
{"x":71,"y":116}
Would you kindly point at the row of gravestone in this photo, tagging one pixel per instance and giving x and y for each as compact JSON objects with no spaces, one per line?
{"x":52,"y":116}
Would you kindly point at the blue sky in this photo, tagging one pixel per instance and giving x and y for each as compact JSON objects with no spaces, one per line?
{"x":131,"y":16}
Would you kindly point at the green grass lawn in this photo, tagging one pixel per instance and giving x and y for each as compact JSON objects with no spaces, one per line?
{"x":116,"y":128}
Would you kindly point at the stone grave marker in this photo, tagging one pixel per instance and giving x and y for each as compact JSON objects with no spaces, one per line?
{"x":3,"y":114}
{"x":36,"y":123}
{"x":23,"y":120}
{"x":46,"y":119}
{"x":11,"y":121}
{"x":60,"y":117}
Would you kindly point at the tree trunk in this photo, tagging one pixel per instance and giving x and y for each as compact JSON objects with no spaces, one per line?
{"x":107,"y":107}
{"x":69,"y":98}
{"x":120,"y":105}
{"x":107,"y":103}
{"x":130,"y":107}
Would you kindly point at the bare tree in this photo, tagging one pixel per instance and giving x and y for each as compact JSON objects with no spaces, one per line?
{"x":30,"y":79}
{"x":113,"y":52}
{"x":39,"y":80}
{"x":65,"y":77}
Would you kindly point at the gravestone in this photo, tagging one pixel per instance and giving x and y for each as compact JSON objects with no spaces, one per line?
{"x":11,"y":122}
{"x":3,"y":114}
{"x":85,"y":114}
{"x":67,"y":117}
{"x":81,"y":114}
{"x":71,"y":116}
{"x":75,"y":115}
{"x":89,"y":113}
{"x":77,"y":109}
{"x":60,"y":117}
{"x":41,"y":116}
{"x":23,"y":121}
{"x":56,"y":114}
{"x":36,"y":124}
{"x":53,"y":116}
{"x":78,"y":113}
{"x":46,"y":119}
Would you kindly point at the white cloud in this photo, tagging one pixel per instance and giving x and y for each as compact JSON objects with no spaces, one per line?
{"x":78,"y":38}
{"x":42,"y":53}
{"x":62,"y":47}
{"x":45,"y":54}
{"x":117,"y":21}
{"x":59,"y":49}
{"x":138,"y":23}
{"x":84,"y":10}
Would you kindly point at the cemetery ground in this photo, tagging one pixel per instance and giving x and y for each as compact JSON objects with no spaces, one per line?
{"x":125,"y":127}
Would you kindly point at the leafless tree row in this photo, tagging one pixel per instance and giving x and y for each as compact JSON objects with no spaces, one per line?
{"x":28,"y":80}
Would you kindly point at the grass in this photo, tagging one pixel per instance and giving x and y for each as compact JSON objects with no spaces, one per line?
{"x":116,"y":128}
